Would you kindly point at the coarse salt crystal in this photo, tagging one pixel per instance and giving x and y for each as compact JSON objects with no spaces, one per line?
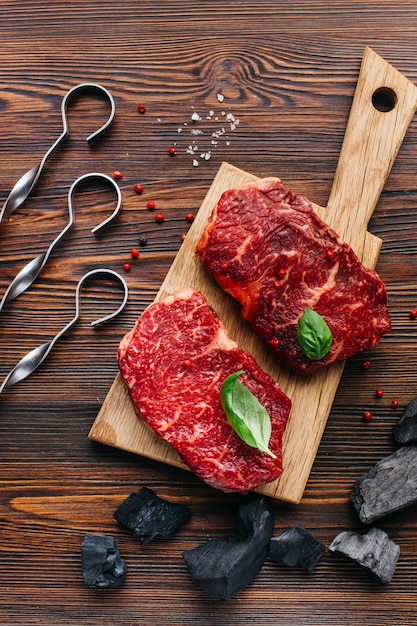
{"x":220,"y":97}
{"x":195,"y":117}
{"x":195,"y":163}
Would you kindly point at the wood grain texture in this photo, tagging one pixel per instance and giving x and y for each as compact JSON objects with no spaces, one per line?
{"x":288,"y":72}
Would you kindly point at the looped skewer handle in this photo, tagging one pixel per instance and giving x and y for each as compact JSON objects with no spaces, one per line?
{"x":31,"y":271}
{"x":31,"y":361}
{"x":26,"y":183}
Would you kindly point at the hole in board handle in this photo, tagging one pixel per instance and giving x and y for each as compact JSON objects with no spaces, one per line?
{"x":384,"y":99}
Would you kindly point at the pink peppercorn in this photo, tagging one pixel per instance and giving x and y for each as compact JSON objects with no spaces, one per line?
{"x":394,"y":404}
{"x":151,"y":205}
{"x":172,"y":151}
{"x":367,"y":416}
{"x":134,"y":253}
{"x":141,"y":108}
{"x":138,"y":188}
{"x":189,"y":217}
{"x":117,"y":175}
{"x":159,"y":218}
{"x":126,"y":267}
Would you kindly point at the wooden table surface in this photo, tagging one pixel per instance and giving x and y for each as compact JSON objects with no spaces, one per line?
{"x":287,"y":73}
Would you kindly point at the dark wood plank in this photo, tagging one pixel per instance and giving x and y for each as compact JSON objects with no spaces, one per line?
{"x":287,"y":71}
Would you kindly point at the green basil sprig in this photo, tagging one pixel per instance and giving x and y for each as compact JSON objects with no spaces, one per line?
{"x":248,"y":418}
{"x":313,"y":334}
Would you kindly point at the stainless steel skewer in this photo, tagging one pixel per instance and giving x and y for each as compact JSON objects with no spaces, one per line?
{"x":31,"y":270}
{"x":31,"y":361}
{"x":26,"y":183}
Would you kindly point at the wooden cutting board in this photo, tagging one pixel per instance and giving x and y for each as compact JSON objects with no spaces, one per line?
{"x":373,"y":137}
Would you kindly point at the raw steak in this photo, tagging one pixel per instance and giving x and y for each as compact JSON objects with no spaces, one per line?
{"x":174,"y":362}
{"x":269,"y":250}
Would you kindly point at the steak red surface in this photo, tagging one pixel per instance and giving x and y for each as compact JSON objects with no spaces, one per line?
{"x":174,"y":362}
{"x":268,"y":248}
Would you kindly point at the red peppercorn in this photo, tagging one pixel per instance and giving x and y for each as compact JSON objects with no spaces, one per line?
{"x":413,"y":313}
{"x":223,"y":266}
{"x":394,"y":404}
{"x":367,"y":416}
{"x":366,"y":365}
{"x":172,"y":151}
{"x":141,"y":108}
{"x":189,"y":217}
{"x":330,"y":254}
{"x":274,"y":342}
{"x":183,"y":236}
{"x":117,"y":175}
{"x":138,"y":188}
{"x":159,"y":218}
{"x":151,"y":205}
{"x":187,"y":363}
{"x":379,"y":393}
{"x":134,"y":253}
{"x":281,"y":273}
{"x":126,"y":267}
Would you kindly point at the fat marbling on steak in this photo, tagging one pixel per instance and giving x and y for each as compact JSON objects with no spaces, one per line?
{"x":174,"y":362}
{"x":268,"y":248}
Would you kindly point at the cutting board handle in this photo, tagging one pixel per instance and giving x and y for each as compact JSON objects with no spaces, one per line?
{"x":383,"y":106}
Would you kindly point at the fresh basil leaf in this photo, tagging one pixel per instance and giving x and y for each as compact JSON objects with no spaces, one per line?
{"x":248,"y":418}
{"x":313,"y":334}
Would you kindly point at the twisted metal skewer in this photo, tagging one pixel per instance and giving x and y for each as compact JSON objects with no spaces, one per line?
{"x":31,"y":270}
{"x":26,"y":183}
{"x":31,"y":361}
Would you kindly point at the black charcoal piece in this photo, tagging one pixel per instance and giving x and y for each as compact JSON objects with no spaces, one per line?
{"x":405,"y":430}
{"x":147,"y":515}
{"x":223,"y":567}
{"x":375,"y":552}
{"x":389,"y":486}
{"x":296,"y":547}
{"x":101,"y":562}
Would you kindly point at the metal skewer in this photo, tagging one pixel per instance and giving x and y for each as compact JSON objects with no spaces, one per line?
{"x":26,"y":183}
{"x":31,"y":270}
{"x":31,"y":361}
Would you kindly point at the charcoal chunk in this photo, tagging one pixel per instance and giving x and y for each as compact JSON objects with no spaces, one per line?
{"x":374,"y":551}
{"x":296,"y":547}
{"x":102,"y":565}
{"x":223,"y":567}
{"x":405,"y":430}
{"x":146,"y":515}
{"x":389,"y":486}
